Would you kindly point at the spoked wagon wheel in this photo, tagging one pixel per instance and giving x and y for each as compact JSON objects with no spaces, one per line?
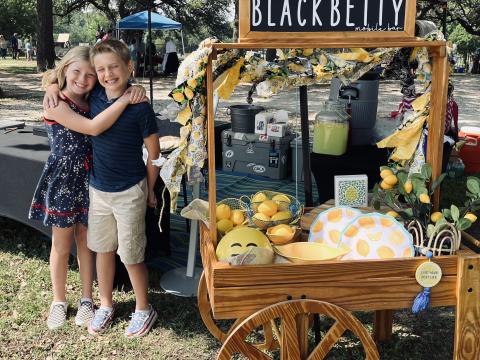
{"x":203,"y":301}
{"x":293,"y":331}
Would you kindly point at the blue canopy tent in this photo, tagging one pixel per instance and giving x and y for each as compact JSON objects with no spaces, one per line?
{"x":148,"y":20}
{"x":139,"y":21}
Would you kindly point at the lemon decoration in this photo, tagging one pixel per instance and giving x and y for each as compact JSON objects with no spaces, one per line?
{"x":268,"y":207}
{"x":363,"y":248}
{"x":259,"y":197}
{"x":385,"y":186}
{"x":262,"y":217}
{"x":393,"y":214}
{"x":281,"y":198}
{"x":223,"y":212}
{"x":237,"y":217}
{"x":385,"y":173}
{"x":192,"y":83}
{"x":224,"y":226}
{"x":188,"y":93}
{"x":408,"y":187}
{"x":391,"y":180}
{"x":178,"y":97}
{"x":282,"y":215}
{"x":351,"y":194}
{"x":436,"y":216}
{"x":470,"y":216}
{"x":424,"y":198}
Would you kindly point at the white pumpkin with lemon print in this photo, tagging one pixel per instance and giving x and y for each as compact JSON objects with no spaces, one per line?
{"x":329,"y":224}
{"x":376,"y":236}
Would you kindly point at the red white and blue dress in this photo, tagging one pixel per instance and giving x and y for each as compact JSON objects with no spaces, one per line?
{"x":61,"y":197}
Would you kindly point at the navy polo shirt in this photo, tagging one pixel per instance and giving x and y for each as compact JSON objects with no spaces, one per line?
{"x":117,"y":152}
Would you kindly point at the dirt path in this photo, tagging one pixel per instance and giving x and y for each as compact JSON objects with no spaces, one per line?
{"x":22,"y":101}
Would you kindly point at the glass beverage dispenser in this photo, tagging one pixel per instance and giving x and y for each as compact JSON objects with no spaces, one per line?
{"x":330,"y":132}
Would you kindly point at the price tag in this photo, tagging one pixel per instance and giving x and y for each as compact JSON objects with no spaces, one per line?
{"x":428,"y":274}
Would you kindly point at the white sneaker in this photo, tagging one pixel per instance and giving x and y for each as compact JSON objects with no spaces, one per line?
{"x":85,"y":313}
{"x":57,"y":316}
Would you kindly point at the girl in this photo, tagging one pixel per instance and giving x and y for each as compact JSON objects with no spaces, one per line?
{"x":61,"y":198}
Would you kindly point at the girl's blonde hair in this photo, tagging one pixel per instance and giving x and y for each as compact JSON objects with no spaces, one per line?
{"x":57,"y":75}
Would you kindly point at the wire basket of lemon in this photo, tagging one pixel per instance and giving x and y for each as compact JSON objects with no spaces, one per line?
{"x":266,"y":209}
{"x":230,"y":214}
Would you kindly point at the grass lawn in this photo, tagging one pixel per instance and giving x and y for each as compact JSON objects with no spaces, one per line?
{"x":20,"y":66}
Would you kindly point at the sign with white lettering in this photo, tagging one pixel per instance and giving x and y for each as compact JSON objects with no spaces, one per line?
{"x":314,"y":19}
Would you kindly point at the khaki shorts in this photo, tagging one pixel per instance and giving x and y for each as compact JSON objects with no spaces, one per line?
{"x":116,"y":222}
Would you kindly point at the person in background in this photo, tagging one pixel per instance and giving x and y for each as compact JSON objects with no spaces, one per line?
{"x":3,"y":47}
{"x":170,"y":61}
{"x":14,"y":45}
{"x":108,"y":35}
{"x":133,"y":55}
{"x":28,"y":50}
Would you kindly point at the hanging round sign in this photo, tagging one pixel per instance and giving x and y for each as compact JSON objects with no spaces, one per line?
{"x":428,"y":274}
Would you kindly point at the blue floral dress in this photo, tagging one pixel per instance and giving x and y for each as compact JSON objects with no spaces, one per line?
{"x":61,"y":197}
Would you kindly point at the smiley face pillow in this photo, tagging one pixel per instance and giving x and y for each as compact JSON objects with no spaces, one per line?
{"x":245,"y":246}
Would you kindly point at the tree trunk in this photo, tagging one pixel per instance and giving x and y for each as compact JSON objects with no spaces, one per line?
{"x":45,"y":46}
{"x":235,"y":24}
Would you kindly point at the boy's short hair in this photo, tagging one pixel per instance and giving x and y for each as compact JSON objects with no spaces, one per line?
{"x":111,"y":46}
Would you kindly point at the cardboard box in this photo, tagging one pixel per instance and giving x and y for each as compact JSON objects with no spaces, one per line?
{"x":351,"y":190}
{"x":276,"y":130}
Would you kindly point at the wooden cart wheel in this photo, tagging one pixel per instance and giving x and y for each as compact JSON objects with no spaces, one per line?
{"x":205,"y":309}
{"x":294,"y":327}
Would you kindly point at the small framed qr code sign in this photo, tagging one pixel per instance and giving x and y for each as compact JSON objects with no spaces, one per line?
{"x":351,"y":190}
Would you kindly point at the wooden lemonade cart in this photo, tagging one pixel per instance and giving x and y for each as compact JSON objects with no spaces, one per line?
{"x":282,"y":297}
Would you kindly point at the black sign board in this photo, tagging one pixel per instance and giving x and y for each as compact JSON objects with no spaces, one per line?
{"x":325,"y":20}
{"x":327,"y":15}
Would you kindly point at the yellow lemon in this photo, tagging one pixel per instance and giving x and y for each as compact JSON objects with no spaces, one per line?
{"x":282,"y":215}
{"x":188,"y":93}
{"x":237,"y":217}
{"x":471,"y":216}
{"x":281,"y":198}
{"x":385,"y":186}
{"x":436,"y":216}
{"x":281,"y":230}
{"x":262,"y":217}
{"x":393,"y":214}
{"x":178,"y":97}
{"x":391,"y":180}
{"x":385,"y":173}
{"x":268,"y":207}
{"x":408,"y":187}
{"x":224,"y":226}
{"x":259,"y":197}
{"x":424,"y":198}
{"x":223,"y":212}
{"x":192,"y":83}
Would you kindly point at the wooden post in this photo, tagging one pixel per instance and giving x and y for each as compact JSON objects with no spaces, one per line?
{"x":436,"y":120}
{"x":212,"y":183}
{"x":467,"y":319}
{"x":382,"y":325}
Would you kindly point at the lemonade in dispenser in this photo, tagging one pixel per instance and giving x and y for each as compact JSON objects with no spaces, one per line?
{"x":330,"y":132}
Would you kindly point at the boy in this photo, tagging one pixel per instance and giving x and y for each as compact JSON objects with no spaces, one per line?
{"x":120,"y":188}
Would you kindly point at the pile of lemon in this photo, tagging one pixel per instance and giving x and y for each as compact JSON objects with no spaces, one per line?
{"x":228,"y":218}
{"x":268,"y":212}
